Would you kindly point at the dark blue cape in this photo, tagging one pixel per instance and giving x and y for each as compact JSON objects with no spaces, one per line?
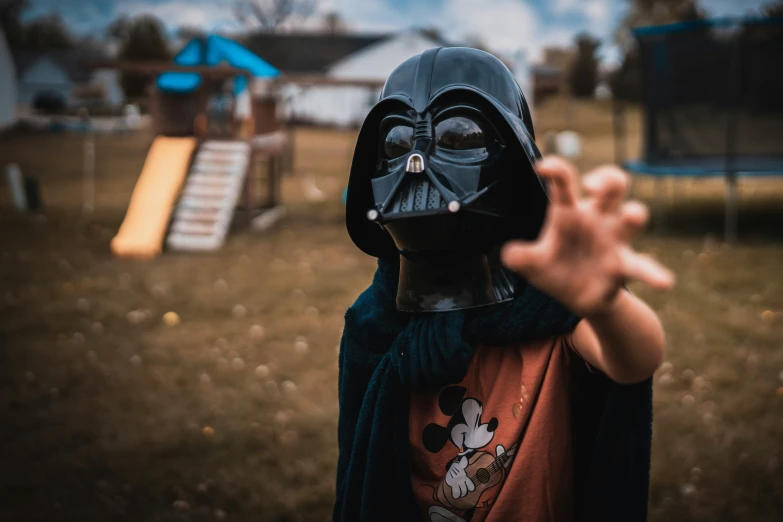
{"x":385,"y":354}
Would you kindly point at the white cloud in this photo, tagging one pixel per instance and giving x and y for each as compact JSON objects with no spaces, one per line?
{"x":505,"y":25}
{"x":557,"y":36}
{"x":565,"y":6}
{"x":597,"y":12}
{"x":379,"y":16}
{"x":182,"y":13}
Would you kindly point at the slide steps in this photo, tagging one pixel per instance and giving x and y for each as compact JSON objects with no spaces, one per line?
{"x":206,"y":207}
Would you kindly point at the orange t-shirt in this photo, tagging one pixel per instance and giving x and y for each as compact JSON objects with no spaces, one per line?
{"x":496,"y":447}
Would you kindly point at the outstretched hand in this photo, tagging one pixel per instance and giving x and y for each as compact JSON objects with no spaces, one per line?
{"x":583,"y":255}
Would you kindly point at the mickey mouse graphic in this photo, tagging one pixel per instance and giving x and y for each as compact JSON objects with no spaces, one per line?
{"x":471,"y":472}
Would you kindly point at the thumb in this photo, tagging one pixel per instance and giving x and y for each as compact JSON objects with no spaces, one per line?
{"x":522,"y":256}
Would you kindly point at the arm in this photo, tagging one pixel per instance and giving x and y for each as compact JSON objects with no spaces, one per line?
{"x":582,"y":258}
{"x":626,"y":341}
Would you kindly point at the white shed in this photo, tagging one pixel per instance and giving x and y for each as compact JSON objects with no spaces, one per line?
{"x":341,"y":105}
{"x":7,"y":85}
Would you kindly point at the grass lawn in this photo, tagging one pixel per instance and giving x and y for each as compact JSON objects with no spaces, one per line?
{"x":108,"y":413}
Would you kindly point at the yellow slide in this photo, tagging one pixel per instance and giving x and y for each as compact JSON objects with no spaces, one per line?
{"x":144,"y":227}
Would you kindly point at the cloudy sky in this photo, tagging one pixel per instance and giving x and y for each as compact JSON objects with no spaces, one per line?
{"x":504,"y":25}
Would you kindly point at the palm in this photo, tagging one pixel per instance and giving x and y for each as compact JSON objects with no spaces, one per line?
{"x":583,"y":254}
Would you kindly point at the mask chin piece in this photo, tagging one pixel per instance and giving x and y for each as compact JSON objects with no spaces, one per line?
{"x":454,"y":207}
{"x":372,"y":214}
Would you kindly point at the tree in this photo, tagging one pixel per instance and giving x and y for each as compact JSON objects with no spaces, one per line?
{"x":144,"y":40}
{"x":188,"y":32}
{"x":47,"y":33}
{"x":626,"y":80}
{"x":583,"y":77}
{"x":654,"y":12}
{"x":774,"y":9}
{"x":432,"y":32}
{"x":475,"y":41}
{"x":333,"y":23}
{"x":11,"y":22}
{"x":270,"y":15}
{"x":119,"y":28}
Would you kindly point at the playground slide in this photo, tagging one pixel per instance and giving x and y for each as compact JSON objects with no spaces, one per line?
{"x":144,"y":227}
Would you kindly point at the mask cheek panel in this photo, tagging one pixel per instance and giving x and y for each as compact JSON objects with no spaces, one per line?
{"x":462,"y":180}
{"x":383,"y":186}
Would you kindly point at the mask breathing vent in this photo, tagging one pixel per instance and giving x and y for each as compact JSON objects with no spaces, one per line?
{"x":415,"y":163}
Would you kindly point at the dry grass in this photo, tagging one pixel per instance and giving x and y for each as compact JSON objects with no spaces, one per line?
{"x":110,"y":414}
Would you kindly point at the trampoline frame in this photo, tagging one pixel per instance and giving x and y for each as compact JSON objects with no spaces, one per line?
{"x":731,"y":165}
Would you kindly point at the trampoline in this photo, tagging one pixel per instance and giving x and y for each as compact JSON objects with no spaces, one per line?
{"x":712,"y":102}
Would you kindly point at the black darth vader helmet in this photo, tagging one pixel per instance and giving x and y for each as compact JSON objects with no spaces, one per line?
{"x":442,"y":176}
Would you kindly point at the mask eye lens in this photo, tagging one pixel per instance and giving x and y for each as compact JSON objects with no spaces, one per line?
{"x":459,"y":133}
{"x":399,"y":141}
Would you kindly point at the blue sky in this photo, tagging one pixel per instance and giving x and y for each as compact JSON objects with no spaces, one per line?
{"x":505,"y":25}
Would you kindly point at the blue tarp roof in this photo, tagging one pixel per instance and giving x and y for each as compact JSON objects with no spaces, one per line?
{"x":213,"y":50}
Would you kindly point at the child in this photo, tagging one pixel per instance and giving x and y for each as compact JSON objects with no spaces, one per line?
{"x":495,"y":370}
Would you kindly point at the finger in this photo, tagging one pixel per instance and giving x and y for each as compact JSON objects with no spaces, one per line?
{"x":646,"y":270}
{"x":633,"y":218}
{"x":523,"y":257}
{"x":607,"y":186}
{"x":471,"y":486}
{"x":562,"y":177}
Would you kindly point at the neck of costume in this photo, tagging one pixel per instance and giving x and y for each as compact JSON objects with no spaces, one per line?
{"x":453,"y":284}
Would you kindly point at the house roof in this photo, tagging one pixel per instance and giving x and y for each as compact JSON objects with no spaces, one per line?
{"x":307,"y":53}
{"x":71,"y":61}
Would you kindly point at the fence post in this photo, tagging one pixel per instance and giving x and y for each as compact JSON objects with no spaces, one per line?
{"x":661,"y":203}
{"x":731,"y":208}
{"x":88,"y":177}
{"x":16,"y":186}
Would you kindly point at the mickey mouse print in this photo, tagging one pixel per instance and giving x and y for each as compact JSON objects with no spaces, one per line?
{"x":496,"y":446}
{"x":474,"y":470}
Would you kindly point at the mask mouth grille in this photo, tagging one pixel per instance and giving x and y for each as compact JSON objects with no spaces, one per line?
{"x":417,"y":196}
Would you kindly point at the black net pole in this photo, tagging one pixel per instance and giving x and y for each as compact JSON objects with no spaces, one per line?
{"x":731,"y":142}
{"x":620,"y":125}
{"x":620,"y":136}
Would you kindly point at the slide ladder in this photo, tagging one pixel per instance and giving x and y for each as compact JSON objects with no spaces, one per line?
{"x":206,"y":207}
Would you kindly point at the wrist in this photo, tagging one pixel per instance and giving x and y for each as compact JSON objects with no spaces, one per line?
{"x":609,"y":309}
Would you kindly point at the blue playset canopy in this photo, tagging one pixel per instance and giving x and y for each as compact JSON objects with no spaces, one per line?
{"x":212,"y":51}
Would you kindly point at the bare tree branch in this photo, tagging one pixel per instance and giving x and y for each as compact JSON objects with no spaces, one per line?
{"x":270,"y":15}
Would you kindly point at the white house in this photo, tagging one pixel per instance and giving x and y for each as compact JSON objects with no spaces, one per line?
{"x":348,"y":105}
{"x":7,"y":85}
{"x":352,"y":57}
{"x":109,"y":83}
{"x":63,"y":79}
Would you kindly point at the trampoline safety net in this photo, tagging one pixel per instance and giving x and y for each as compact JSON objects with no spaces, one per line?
{"x":713,"y":97}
